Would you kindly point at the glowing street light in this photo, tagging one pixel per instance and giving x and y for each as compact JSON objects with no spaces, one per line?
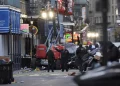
{"x":89,"y":35}
{"x":97,"y":35}
{"x":31,"y":22}
{"x":92,"y":35}
{"x":116,"y":11}
{"x":51,"y":14}
{"x":74,"y":32}
{"x":47,"y":15}
{"x":44,"y":15}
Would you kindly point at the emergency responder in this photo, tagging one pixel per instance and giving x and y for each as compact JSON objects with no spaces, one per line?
{"x":80,"y":52}
{"x":51,"y":58}
{"x":64,"y":59}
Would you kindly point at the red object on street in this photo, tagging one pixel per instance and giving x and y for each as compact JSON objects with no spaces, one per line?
{"x":41,"y":51}
{"x":60,"y":47}
{"x":56,"y":53}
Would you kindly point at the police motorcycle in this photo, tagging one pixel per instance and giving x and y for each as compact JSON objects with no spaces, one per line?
{"x":88,"y":60}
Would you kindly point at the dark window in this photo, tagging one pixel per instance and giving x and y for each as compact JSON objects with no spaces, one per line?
{"x":118,"y":4}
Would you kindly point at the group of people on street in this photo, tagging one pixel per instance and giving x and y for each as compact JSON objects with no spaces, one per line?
{"x":64,"y":59}
{"x":96,"y":51}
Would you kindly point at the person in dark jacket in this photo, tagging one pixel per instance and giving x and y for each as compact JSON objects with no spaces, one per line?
{"x":34,"y":51}
{"x":113,"y":53}
{"x":78,"y":40}
{"x":80,"y":52}
{"x":51,"y":58}
{"x":64,"y":59}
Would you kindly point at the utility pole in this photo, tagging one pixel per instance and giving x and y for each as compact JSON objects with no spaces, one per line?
{"x":104,"y":6}
{"x":58,"y":25}
{"x":32,"y":44}
{"x":11,"y":41}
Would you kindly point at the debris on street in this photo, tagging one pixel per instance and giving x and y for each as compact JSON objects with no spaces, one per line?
{"x":72,"y":74}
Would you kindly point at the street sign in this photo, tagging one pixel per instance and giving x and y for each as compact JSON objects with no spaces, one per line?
{"x":24,"y":28}
{"x":33,"y":29}
{"x":4,"y":18}
{"x":9,"y":20}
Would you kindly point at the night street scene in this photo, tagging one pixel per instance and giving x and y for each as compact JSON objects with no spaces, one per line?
{"x":59,"y":42}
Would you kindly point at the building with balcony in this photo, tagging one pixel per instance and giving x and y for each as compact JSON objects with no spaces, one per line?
{"x":80,"y":11}
{"x":96,"y":19}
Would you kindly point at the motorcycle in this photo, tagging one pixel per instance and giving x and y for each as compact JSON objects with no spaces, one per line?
{"x":88,"y":61}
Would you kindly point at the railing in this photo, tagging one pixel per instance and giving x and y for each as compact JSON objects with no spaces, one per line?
{"x":32,"y":8}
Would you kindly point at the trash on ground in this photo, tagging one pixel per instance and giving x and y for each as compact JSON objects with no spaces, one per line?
{"x":72,"y":74}
{"x":37,"y":69}
{"x":14,"y":82}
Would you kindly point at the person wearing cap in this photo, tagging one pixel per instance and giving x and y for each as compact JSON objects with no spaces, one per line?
{"x":64,"y":59}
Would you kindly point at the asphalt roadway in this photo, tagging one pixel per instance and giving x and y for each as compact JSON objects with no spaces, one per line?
{"x":43,"y":78}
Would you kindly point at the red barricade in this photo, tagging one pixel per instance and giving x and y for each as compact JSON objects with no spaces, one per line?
{"x":56,"y":53}
{"x":41,"y":51}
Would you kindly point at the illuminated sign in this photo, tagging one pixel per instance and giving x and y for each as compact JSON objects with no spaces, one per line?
{"x":24,"y":28}
{"x":68,"y":37}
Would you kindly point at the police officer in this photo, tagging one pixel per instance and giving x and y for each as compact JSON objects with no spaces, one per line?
{"x":51,"y":58}
{"x":64,"y":59}
{"x":80,"y":52}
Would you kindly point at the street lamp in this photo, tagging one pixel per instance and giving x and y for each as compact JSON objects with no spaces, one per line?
{"x":31,"y":22}
{"x":48,"y":15}
{"x":44,"y":15}
{"x":97,"y":35}
{"x":51,"y":14}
